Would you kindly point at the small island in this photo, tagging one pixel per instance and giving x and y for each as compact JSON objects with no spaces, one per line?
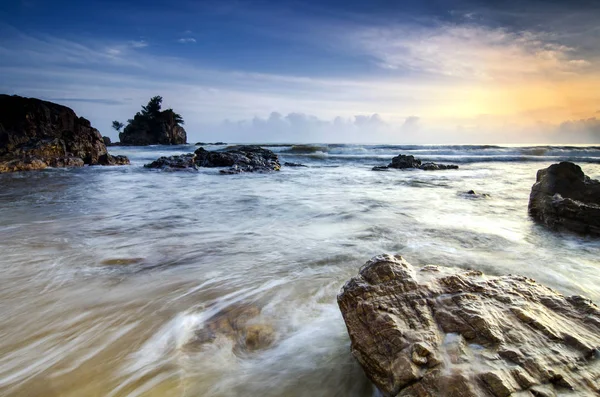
{"x":152,"y":126}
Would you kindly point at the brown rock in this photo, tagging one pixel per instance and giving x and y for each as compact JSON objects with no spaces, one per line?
{"x":33,"y":131}
{"x":450,"y":332}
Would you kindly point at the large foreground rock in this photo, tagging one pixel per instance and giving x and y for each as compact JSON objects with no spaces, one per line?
{"x":236,"y":159}
{"x":447,"y":332}
{"x":35,"y":134}
{"x":563,"y":197}
{"x":403,"y":162}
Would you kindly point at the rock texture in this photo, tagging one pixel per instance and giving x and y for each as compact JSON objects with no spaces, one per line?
{"x":563,"y":197}
{"x":158,"y":133}
{"x":403,"y":162}
{"x":445,"y":332}
{"x":35,"y":134}
{"x":238,"y":159}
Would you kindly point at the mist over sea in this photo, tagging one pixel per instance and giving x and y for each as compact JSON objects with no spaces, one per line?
{"x":107,"y":273}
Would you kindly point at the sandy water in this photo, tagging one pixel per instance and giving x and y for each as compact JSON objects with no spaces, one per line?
{"x":107,"y":274}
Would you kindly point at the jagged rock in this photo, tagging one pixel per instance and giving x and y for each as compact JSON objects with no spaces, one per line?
{"x":438,"y":331}
{"x":239,"y":159}
{"x":106,"y":140}
{"x":35,"y":134}
{"x":563,"y":197}
{"x":403,"y":162}
{"x":184,"y":161}
{"x":288,"y":164}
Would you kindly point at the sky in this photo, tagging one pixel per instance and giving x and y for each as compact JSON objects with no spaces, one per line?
{"x":378,"y":71}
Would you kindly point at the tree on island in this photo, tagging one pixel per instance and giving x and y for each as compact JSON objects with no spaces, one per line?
{"x":153,"y":125}
{"x":117,"y":125}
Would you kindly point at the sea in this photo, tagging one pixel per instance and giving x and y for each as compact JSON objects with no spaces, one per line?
{"x":109,"y":274}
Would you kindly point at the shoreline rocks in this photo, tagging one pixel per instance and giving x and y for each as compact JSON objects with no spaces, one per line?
{"x":563,"y":197}
{"x":36,"y":134}
{"x":403,"y":162}
{"x":239,"y":159}
{"x":438,"y":331}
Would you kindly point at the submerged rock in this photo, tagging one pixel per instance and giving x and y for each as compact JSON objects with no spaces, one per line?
{"x":242,"y":324}
{"x":403,"y":162}
{"x":563,"y":197}
{"x":35,"y":134}
{"x":474,"y":194}
{"x":448,"y":332}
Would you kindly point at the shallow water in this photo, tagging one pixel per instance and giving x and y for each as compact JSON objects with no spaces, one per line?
{"x":108,"y":273}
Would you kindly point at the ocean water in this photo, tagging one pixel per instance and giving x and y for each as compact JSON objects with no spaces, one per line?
{"x":107,"y":274}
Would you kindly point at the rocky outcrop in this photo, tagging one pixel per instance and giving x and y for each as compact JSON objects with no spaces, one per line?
{"x":180,"y":162}
{"x":563,"y":197}
{"x":437,"y":331}
{"x":403,"y":162}
{"x":238,"y":159}
{"x":288,"y":164}
{"x":106,"y":141}
{"x":159,"y":133}
{"x":35,"y":134}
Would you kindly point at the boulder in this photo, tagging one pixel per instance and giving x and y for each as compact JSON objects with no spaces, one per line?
{"x":403,"y":162}
{"x":288,"y":164}
{"x":35,"y":134}
{"x":563,"y":197}
{"x":475,"y":194}
{"x":184,"y":161}
{"x":438,"y":331}
{"x":106,"y":140}
{"x":239,"y":158}
{"x":158,"y":133}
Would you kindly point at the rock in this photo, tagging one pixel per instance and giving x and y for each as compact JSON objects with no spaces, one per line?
{"x":450,"y":332}
{"x":35,"y":134}
{"x":184,"y":161}
{"x":158,"y":134}
{"x":239,"y":159}
{"x":288,"y":164}
{"x":210,"y":144}
{"x":563,"y":197}
{"x":106,"y":140}
{"x":437,"y":167}
{"x":108,"y":159}
{"x":242,"y":324}
{"x":474,"y":194}
{"x":403,"y":162}
{"x":380,"y":168}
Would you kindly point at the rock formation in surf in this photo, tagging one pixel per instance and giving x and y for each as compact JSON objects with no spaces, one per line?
{"x":153,"y":126}
{"x":563,"y":197}
{"x":35,"y":134}
{"x":438,"y":331}
{"x":238,"y":159}
{"x":403,"y":162}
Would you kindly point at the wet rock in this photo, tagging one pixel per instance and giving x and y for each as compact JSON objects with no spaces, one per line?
{"x":380,"y":168}
{"x":288,"y":164}
{"x":448,"y":332}
{"x":184,"y":161}
{"x":210,"y":144}
{"x":108,"y":159}
{"x":239,"y":159}
{"x":33,"y":132}
{"x":563,"y":197}
{"x":403,"y":162}
{"x":242,"y":324}
{"x":474,"y":194}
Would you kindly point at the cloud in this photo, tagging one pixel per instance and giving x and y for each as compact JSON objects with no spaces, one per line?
{"x":185,"y":40}
{"x":468,"y":51}
{"x":138,"y":44}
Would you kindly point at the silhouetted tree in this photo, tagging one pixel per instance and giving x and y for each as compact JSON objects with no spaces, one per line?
{"x":152,"y":109}
{"x":117,"y":125}
{"x":153,"y":120}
